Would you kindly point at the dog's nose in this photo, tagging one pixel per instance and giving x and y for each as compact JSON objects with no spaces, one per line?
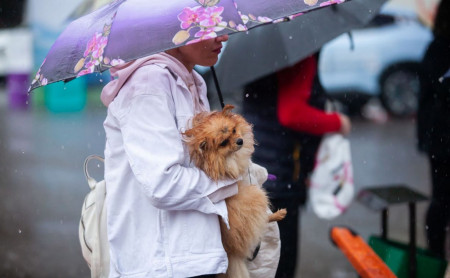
{"x":239,"y":142}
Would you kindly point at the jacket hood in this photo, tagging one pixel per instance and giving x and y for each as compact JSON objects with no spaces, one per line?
{"x":121,"y":73}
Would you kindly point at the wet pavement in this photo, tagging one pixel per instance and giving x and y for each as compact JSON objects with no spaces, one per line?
{"x":42,"y":187}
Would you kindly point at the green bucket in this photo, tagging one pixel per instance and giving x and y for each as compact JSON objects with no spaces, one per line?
{"x":396,"y":256}
{"x":66,"y":97}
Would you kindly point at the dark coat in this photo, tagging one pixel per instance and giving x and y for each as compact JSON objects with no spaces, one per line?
{"x":433,"y":118}
{"x":285,"y":153}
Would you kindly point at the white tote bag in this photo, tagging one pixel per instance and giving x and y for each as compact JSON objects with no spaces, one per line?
{"x":331,"y":184}
{"x":265,"y":264}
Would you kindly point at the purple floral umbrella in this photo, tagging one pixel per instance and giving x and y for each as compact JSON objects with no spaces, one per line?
{"x":125,"y":30}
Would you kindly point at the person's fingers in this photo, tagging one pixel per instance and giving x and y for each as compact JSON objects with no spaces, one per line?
{"x":346,"y":125}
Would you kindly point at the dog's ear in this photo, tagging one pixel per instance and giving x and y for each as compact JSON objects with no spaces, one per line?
{"x":199,"y":118}
{"x":188,"y":133}
{"x":227,"y":109}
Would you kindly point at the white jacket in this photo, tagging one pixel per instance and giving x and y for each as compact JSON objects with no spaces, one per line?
{"x":162,"y":220}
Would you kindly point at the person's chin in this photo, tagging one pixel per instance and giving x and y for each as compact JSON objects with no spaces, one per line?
{"x":209,"y":63}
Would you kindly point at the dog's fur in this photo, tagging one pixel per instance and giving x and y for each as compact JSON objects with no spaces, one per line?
{"x":221,"y":144}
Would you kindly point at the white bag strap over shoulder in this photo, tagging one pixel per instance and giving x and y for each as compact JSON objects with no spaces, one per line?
{"x":91,"y":181}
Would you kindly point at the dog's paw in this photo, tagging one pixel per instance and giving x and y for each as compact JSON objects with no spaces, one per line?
{"x":278,"y":215}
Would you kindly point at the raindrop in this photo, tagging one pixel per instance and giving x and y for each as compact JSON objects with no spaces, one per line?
{"x":101,"y":80}
{"x":98,"y":166}
{"x":247,"y":95}
{"x":289,"y":186}
{"x":27,"y":102}
{"x":62,"y":147}
{"x":364,"y":162}
{"x":20,"y":231}
{"x":290,"y":37}
{"x":426,"y":227}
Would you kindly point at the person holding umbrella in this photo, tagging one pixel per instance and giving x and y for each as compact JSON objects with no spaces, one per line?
{"x":286,"y":109}
{"x":162,"y":212}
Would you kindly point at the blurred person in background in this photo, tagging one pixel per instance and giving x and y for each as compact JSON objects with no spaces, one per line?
{"x":433,"y":127}
{"x":287,"y":111}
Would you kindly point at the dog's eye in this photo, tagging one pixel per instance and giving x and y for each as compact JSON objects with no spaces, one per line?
{"x":234,"y":130}
{"x":224,"y":143}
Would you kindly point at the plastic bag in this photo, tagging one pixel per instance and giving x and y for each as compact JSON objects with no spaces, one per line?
{"x":331,"y":184}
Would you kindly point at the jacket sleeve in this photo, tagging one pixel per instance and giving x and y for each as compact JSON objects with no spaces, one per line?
{"x":155,"y":152}
{"x":298,"y":115}
{"x":294,"y":111}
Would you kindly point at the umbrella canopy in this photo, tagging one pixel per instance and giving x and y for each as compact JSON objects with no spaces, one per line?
{"x":125,"y":30}
{"x":88,"y":6}
{"x":249,"y":56}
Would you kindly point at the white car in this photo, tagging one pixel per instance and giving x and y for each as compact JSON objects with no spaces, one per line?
{"x":383,"y":62}
{"x":16,"y":51}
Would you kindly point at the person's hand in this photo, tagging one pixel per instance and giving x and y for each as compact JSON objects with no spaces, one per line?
{"x":346,"y":125}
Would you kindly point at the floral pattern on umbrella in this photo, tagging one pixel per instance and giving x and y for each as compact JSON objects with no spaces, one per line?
{"x":331,"y":2}
{"x":93,"y":55}
{"x":208,"y":19}
{"x":39,"y":79}
{"x":125,"y":30}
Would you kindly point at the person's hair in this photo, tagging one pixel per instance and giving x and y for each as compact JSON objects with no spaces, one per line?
{"x":442,"y":21}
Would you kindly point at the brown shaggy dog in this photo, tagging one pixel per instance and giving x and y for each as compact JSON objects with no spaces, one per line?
{"x":221,"y":144}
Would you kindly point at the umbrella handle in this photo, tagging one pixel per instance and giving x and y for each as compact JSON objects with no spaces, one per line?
{"x":352,"y":42}
{"x":216,"y":82}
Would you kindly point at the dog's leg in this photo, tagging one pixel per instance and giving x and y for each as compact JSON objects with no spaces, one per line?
{"x":278,"y":215}
{"x":236,"y":268}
